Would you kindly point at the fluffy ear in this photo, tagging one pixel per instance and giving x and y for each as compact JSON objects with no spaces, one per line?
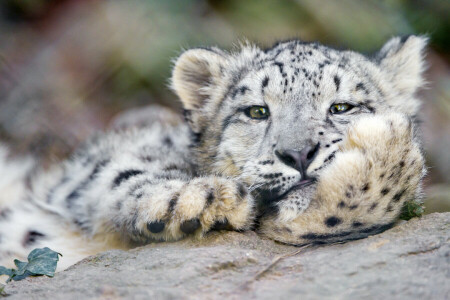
{"x":402,"y":60}
{"x":195,"y":75}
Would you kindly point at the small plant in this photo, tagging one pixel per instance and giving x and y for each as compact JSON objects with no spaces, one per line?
{"x":411,"y":209}
{"x":41,"y":261}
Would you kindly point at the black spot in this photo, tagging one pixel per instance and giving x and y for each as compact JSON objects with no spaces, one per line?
{"x":242,"y":191}
{"x":287,"y":230}
{"x":156,"y":227}
{"x":372,"y":207}
{"x":360,"y":86}
{"x":335,"y":141}
{"x":341,"y":204}
{"x":31,"y":237}
{"x":352,"y":207}
{"x":125,"y":175}
{"x":168,"y":141}
{"x":280,"y":66}
{"x":221,"y":225}
{"x":320,"y":132}
{"x":310,"y":236}
{"x":332,"y":221}
{"x":382,"y":175}
{"x":366,"y":187}
{"x":265,"y":82}
{"x":337,"y":82}
{"x":4,"y":214}
{"x":76,"y":192}
{"x":398,"y":196}
{"x":71,"y":197}
{"x":317,"y":238}
{"x":385,"y":191}
{"x":243,"y":89}
{"x":190,"y":226}
{"x":210,"y":197}
{"x":146,"y":158}
{"x":171,"y":167}
{"x":357,"y":224}
{"x":172,"y":203}
{"x":402,"y":164}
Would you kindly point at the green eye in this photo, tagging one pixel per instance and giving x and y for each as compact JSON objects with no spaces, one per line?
{"x":340,"y":108}
{"x":257,"y":112}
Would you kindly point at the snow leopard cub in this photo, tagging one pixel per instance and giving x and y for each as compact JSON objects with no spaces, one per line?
{"x":312,"y":144}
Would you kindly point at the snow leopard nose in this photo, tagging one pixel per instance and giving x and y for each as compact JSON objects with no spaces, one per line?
{"x":299,"y":160}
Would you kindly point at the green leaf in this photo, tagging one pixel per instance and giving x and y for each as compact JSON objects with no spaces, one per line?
{"x":41,"y":261}
{"x":411,"y":209}
{"x":5,"y":271}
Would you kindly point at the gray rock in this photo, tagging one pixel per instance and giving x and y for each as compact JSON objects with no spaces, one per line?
{"x":410,"y":261}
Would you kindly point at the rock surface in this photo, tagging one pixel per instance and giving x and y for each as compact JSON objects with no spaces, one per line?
{"x":410,"y":261}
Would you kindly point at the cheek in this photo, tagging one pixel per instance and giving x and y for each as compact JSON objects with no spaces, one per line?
{"x":239,"y":145}
{"x":243,"y":141}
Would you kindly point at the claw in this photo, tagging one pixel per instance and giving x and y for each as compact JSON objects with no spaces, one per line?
{"x":156,"y":227}
{"x":222,"y":225}
{"x":190,"y":226}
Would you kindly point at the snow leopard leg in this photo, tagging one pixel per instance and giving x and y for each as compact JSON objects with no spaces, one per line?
{"x":170,"y":210}
{"x":379,"y":167}
{"x":140,"y":203}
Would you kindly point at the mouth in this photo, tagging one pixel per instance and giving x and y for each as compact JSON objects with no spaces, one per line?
{"x":303,"y":183}
{"x":270,"y":196}
{"x":300,"y":185}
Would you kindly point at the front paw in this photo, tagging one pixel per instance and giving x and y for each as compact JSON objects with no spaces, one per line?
{"x":362,"y":191}
{"x":203,"y":204}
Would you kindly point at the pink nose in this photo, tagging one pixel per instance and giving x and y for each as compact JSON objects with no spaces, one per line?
{"x":299,"y":160}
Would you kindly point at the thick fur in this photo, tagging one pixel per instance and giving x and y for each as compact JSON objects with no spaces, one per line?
{"x":220,"y":169}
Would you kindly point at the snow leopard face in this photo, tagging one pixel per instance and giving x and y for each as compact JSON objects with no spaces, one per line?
{"x":276,"y":117}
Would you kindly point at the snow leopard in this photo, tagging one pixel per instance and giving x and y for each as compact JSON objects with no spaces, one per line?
{"x":301,"y":142}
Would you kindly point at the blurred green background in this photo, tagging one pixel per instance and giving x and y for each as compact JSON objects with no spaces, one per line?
{"x":67,"y":68}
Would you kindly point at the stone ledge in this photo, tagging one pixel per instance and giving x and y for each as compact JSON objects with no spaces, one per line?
{"x":409,"y":261}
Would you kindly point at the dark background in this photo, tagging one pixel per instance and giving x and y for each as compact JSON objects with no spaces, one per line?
{"x":67,"y":68}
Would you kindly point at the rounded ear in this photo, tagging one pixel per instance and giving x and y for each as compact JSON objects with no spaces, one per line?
{"x":402,"y":60}
{"x":195,"y":74}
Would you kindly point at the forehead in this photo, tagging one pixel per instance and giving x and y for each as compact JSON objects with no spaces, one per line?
{"x":297,"y":70}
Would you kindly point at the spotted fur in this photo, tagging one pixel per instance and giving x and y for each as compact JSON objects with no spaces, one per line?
{"x":306,"y":174}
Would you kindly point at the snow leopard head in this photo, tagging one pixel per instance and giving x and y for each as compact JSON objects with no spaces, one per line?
{"x":275,"y":117}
